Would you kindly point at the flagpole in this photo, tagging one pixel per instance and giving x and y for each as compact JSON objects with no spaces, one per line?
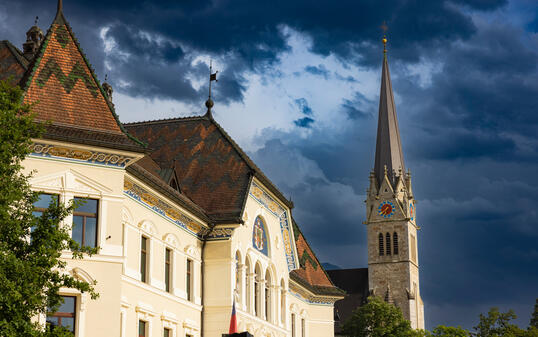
{"x":210,"y":72}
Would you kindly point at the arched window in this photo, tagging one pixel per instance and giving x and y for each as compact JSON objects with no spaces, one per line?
{"x":267,"y":294}
{"x":282,"y":302}
{"x":257,"y":290}
{"x":395,"y":243}
{"x":381,"y":248}
{"x":387,"y":244}
{"x":238,"y":278}
{"x":248,"y":286}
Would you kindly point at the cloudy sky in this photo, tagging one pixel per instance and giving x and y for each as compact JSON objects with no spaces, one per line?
{"x":298,"y":89}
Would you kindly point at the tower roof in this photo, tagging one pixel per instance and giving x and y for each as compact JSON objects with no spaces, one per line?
{"x":64,"y":89}
{"x":388,"y":146}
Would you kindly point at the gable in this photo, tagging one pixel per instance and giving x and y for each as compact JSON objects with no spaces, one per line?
{"x":62,"y":86}
{"x":208,"y":169}
{"x":12,"y":63}
{"x":69,"y":180}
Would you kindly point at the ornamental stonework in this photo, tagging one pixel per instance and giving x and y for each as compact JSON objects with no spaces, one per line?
{"x":88,"y":156}
{"x":155,"y":203}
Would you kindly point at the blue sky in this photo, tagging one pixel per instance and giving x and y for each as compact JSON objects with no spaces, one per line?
{"x":298,"y":89}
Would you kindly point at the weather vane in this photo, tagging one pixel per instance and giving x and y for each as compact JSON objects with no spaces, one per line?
{"x":36,"y":20}
{"x":212,"y":77}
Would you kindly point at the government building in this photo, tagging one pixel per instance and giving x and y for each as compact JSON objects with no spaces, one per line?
{"x":186,"y":223}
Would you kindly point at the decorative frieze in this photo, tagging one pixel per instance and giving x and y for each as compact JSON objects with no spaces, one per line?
{"x":153,"y":202}
{"x":79,"y":155}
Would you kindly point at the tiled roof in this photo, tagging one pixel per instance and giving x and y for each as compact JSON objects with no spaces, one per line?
{"x":65,"y":91}
{"x":12,"y":62}
{"x":146,"y":170}
{"x":212,"y":169}
{"x":311,"y":273}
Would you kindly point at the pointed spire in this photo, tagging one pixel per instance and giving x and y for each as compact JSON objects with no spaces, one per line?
{"x":388,"y":153}
{"x":60,"y":19}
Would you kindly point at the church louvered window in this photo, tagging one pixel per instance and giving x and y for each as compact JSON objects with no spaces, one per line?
{"x":381,"y":248}
{"x":387,"y":244}
{"x":395,"y":243}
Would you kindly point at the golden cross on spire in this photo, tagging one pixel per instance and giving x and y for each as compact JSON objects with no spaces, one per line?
{"x":385,"y":28}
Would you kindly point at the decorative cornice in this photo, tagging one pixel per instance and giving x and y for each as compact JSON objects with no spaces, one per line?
{"x":307,"y":297}
{"x":74,"y":154}
{"x":163,"y":208}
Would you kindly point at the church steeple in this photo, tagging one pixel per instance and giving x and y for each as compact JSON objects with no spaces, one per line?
{"x":393,"y":264}
{"x":388,"y":151}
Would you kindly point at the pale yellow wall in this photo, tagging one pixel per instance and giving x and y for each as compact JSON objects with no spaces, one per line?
{"x":124,"y":299}
{"x":220,"y":283}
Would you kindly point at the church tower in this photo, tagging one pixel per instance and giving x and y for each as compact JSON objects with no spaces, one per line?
{"x":393,"y":269}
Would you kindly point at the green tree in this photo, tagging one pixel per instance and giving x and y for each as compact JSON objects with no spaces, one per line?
{"x":378,"y":319}
{"x":449,"y":331}
{"x":31,"y":268}
{"x":497,"y":324}
{"x":534,"y":317}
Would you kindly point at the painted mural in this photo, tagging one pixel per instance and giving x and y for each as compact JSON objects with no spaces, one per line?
{"x":259,"y":236}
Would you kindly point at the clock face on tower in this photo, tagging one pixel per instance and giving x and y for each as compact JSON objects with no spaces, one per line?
{"x":386,"y":209}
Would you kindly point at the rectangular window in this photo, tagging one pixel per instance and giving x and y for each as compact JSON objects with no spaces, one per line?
{"x":42,"y":204}
{"x":143,"y":259}
{"x":189,"y":280}
{"x":85,"y":222}
{"x":66,"y":314}
{"x":167,"y":269}
{"x":292,"y":325}
{"x":303,"y":328}
{"x":413,"y":249}
{"x":142,"y":328}
{"x":166,"y":333}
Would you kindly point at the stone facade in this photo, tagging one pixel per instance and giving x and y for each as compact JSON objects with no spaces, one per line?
{"x":393,"y":272}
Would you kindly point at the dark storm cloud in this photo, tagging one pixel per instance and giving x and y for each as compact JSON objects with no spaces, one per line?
{"x":470,"y":139}
{"x":318,"y":70}
{"x":305,"y":122}
{"x":303,"y":106}
{"x":247,"y":32}
{"x":358,"y":107}
{"x":469,"y":134}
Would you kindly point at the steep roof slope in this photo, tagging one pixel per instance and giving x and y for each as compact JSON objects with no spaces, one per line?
{"x":12,"y":62}
{"x":64,"y":90}
{"x":212,"y":169}
{"x":311,"y":273}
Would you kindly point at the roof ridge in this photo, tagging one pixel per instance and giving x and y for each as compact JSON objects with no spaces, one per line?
{"x":17,"y":54}
{"x":165,"y":120}
{"x":265,"y":180}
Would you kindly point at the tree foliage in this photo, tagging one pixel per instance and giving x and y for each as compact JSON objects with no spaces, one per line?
{"x":31,"y":268}
{"x":377,"y":319}
{"x":380,"y":319}
{"x":534,"y":317}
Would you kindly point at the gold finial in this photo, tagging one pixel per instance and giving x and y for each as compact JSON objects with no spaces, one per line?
{"x":385,"y":28}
